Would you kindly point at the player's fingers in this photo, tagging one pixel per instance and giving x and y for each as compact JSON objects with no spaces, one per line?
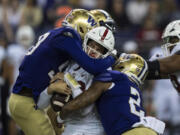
{"x":65,"y":89}
{"x":58,"y":76}
{"x":126,"y":56}
{"x":68,"y":91}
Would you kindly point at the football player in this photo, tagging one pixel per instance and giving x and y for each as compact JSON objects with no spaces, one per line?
{"x":43,"y":61}
{"x":170,"y":98}
{"x":120,"y":100}
{"x":169,"y":64}
{"x":166,"y":105}
{"x":162,"y":67}
{"x":98,"y":43}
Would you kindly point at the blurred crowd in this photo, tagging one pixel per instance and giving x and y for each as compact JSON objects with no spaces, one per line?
{"x":139,"y":26}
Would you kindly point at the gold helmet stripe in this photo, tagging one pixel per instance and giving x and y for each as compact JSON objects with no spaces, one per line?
{"x":145,"y":67}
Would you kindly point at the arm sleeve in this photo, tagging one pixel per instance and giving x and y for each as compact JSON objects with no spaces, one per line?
{"x":44,"y":100}
{"x":74,"y":49}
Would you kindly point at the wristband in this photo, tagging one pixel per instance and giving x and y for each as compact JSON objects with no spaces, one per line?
{"x":154,"y":70}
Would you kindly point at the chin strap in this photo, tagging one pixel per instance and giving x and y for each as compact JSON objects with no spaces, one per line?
{"x":175,"y":82}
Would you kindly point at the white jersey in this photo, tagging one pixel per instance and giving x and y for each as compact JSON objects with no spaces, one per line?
{"x":166,"y":99}
{"x":84,"y":121}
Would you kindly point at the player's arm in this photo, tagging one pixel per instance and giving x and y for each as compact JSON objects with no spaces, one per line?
{"x":74,"y":49}
{"x":164,"y":66}
{"x":86,"y":98}
{"x":170,"y":64}
{"x":57,"y":85}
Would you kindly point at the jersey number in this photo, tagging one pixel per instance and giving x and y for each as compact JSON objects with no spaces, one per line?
{"x":135,"y":102}
{"x":40,"y":40}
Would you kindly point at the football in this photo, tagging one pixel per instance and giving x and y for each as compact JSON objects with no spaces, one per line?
{"x":58,"y":100}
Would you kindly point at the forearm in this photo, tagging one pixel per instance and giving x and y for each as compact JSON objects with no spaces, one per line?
{"x":86,"y":98}
{"x":93,"y":66}
{"x":170,"y":64}
{"x":160,"y":68}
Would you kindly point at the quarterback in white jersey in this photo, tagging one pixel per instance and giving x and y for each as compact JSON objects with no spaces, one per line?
{"x":86,"y":120}
{"x":98,"y":42}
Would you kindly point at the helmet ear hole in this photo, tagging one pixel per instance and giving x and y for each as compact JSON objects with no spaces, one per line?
{"x":101,"y":22}
{"x":81,"y":29}
{"x":121,"y":67}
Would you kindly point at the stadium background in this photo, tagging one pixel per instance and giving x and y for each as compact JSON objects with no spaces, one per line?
{"x":140,"y":24}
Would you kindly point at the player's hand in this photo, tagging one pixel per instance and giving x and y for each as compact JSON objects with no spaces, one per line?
{"x":126,"y":56}
{"x":58,"y":76}
{"x":122,"y":57}
{"x":58,"y":85}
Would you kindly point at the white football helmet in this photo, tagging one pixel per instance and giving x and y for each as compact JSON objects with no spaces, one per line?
{"x":104,"y":37}
{"x":25,"y":36}
{"x":171,"y":36}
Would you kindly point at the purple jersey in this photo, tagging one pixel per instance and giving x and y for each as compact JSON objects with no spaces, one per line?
{"x":46,"y":58}
{"x":119,"y":107}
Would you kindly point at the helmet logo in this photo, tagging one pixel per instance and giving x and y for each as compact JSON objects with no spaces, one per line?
{"x":105,"y":34}
{"x":91,"y":21}
{"x":172,"y":30}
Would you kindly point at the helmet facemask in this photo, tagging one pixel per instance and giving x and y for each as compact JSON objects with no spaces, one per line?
{"x":171,"y":36}
{"x":95,"y":50}
{"x":168,"y":44}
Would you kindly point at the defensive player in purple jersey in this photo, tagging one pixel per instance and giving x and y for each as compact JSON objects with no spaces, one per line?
{"x":119,"y":100}
{"x":44,"y":60}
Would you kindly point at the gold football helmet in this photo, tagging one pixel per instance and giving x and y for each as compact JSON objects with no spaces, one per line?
{"x":104,"y":18}
{"x":135,"y":67}
{"x":81,"y":20}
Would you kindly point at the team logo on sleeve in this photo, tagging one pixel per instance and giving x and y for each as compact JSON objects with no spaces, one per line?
{"x":91,"y":21}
